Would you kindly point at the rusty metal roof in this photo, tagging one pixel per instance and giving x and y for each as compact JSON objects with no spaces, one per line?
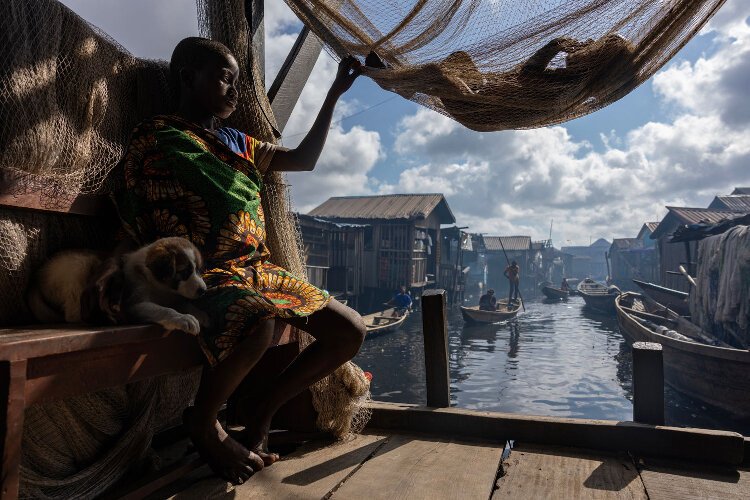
{"x":390,"y":206}
{"x":626,"y":243}
{"x":515,"y":243}
{"x":687,"y":215}
{"x":736,"y":202}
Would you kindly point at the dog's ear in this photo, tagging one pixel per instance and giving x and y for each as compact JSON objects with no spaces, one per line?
{"x":102,"y":298}
{"x":160,"y":260}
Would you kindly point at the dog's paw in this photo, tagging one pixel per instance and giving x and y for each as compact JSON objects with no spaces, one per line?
{"x":184,"y":322}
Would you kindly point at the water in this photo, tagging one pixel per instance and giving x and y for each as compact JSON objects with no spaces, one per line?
{"x":556,"y":359}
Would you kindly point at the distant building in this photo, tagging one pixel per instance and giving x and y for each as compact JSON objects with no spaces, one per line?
{"x":517,"y":248}
{"x":741,"y":190}
{"x":673,"y":255}
{"x":402,"y":240}
{"x":589,"y":261}
{"x":645,"y":234}
{"x":629,"y":259}
{"x":334,"y":256}
{"x":453,"y":274}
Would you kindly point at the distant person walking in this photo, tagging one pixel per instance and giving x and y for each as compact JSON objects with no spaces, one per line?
{"x":513,"y":272}
{"x":488,"y":301}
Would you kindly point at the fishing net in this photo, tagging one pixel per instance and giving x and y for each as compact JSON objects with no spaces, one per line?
{"x":507,"y":64}
{"x":69,"y":98}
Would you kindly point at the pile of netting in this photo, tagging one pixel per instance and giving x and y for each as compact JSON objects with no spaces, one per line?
{"x":69,"y":98}
{"x":508,"y":64}
{"x":720,"y":303}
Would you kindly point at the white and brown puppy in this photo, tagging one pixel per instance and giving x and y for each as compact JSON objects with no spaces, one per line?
{"x":155,"y":284}
{"x":160,"y":280}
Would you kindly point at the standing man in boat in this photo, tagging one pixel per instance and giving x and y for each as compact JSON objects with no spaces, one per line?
{"x":513,"y":273}
{"x":488,"y":302}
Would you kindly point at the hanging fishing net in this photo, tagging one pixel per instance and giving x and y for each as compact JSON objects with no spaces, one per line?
{"x":69,"y":98}
{"x":507,"y":64}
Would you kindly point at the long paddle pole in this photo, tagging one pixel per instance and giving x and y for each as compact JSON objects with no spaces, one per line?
{"x":508,"y":261}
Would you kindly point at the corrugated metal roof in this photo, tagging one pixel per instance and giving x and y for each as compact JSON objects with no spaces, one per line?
{"x":689,"y":215}
{"x":391,"y":206}
{"x":651,"y":226}
{"x":736,"y":202}
{"x":515,"y":243}
{"x":741,"y":190}
{"x":627,"y":243}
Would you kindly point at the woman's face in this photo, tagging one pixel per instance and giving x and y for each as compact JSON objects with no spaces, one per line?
{"x":214,"y":87}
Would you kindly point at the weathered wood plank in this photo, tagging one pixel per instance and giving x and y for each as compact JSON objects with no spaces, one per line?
{"x":648,"y":383}
{"x":411,"y":467}
{"x":12,"y":404}
{"x":686,"y":481}
{"x":311,"y":472}
{"x":701,"y":445}
{"x":435,"y":332}
{"x":534,"y":471}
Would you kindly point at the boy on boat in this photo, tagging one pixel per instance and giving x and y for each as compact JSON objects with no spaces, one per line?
{"x":488,"y":301}
{"x":402,"y":301}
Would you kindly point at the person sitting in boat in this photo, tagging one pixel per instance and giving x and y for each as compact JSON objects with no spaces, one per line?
{"x":401,"y":301}
{"x":513,"y":273}
{"x":564,"y":285}
{"x":488,"y":302}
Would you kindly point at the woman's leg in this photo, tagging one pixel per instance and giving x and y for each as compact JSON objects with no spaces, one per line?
{"x":338,"y":331}
{"x":227,"y":457}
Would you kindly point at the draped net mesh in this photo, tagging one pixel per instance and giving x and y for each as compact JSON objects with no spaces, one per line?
{"x":508,"y":64}
{"x":69,"y":98}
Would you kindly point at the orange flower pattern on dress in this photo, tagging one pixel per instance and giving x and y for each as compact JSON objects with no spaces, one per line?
{"x":172,"y":188}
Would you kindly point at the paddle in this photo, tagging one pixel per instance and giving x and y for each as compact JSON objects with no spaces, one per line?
{"x":508,"y":261}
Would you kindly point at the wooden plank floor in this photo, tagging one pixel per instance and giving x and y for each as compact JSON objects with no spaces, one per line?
{"x":382,"y":465}
{"x":534,"y":471}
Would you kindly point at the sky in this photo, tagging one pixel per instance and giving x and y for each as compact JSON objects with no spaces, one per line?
{"x":678,"y":140}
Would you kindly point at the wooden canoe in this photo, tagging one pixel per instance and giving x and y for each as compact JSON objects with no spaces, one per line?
{"x":716,"y":374}
{"x":673,"y":299}
{"x":383,"y":322}
{"x":474,"y":315}
{"x":597,"y":296}
{"x":554,"y":293}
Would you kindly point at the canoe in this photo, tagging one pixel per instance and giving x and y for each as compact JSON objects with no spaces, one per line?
{"x":716,"y":374}
{"x":673,"y":299}
{"x":383,"y":322}
{"x":597,"y":296}
{"x":554,"y":293}
{"x":474,"y":315}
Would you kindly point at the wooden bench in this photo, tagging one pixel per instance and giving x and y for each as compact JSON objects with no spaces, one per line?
{"x":41,"y":363}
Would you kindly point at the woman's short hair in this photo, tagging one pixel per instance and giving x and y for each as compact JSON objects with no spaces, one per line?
{"x":194,"y":52}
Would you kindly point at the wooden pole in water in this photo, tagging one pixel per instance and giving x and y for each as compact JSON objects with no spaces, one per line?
{"x":500,"y":239}
{"x":648,"y":383}
{"x":435,"y":332}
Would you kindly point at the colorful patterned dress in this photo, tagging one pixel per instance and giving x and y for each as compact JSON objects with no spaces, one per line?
{"x":182,"y":180}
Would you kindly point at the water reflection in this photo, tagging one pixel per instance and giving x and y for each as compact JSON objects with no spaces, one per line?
{"x":556,"y":359}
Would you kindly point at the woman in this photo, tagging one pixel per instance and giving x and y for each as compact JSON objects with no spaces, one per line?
{"x":184,"y":176}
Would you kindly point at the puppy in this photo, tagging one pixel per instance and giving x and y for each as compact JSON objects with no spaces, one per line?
{"x":62,"y":284}
{"x":152,"y":284}
{"x":160,"y":279}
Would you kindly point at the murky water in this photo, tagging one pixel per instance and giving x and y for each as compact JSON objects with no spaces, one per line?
{"x":556,"y":359}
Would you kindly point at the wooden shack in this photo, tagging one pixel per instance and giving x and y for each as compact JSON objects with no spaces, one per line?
{"x":334,"y":256}
{"x":452,"y":273}
{"x":589,"y":261}
{"x":673,"y":255}
{"x":401,"y":241}
{"x":517,"y":248}
{"x":630,"y":259}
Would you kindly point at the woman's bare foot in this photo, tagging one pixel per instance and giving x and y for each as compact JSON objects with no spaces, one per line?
{"x":255,"y":436}
{"x":226,"y":457}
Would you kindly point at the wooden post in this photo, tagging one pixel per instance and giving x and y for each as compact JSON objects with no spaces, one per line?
{"x":648,"y":383}
{"x":435,"y":331}
{"x":12,"y":403}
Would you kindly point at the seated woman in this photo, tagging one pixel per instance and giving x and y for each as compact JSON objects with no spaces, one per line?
{"x":183,"y":175}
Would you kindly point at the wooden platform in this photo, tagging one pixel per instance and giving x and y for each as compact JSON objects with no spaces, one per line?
{"x":380,"y":465}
